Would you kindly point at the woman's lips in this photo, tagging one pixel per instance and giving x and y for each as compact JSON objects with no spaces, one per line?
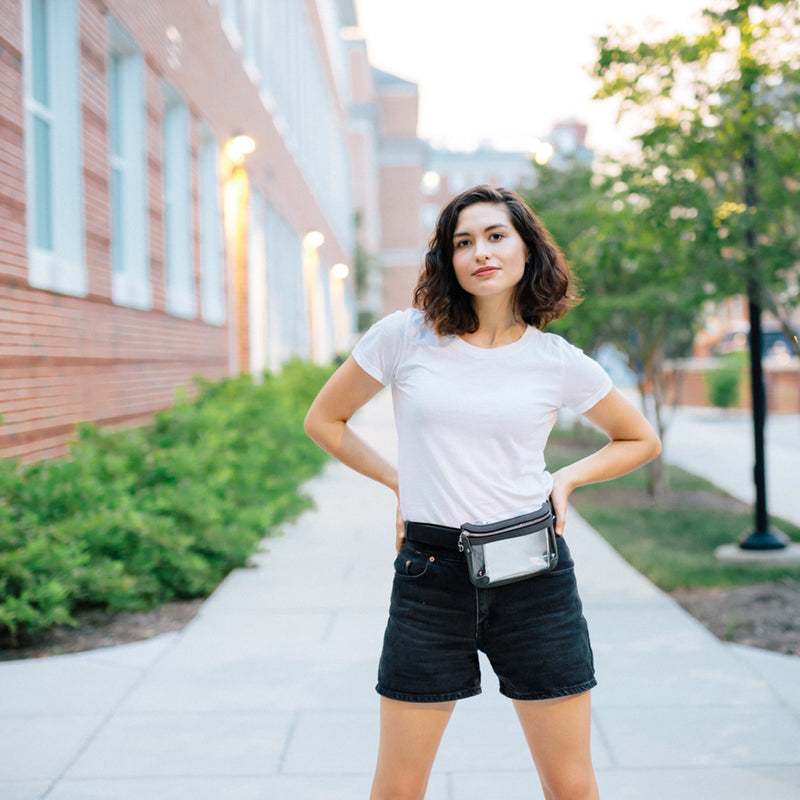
{"x":479,"y":273}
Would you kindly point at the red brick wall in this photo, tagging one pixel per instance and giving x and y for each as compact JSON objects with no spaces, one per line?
{"x":65,"y":359}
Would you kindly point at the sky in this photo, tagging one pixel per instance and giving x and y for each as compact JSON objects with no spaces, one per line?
{"x":507,"y":70}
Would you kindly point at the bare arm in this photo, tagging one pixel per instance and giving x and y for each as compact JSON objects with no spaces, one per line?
{"x":633,"y":443}
{"x":349,"y":388}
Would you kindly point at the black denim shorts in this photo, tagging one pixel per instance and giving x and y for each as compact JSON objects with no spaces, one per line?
{"x":532,"y":631}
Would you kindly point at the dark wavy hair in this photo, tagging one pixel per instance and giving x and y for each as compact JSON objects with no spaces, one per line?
{"x":545,"y":293}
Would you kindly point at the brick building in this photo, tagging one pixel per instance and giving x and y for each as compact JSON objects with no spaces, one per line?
{"x":140,"y":245}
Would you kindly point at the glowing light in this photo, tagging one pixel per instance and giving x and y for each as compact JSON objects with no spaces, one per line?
{"x":431,"y":182}
{"x":541,"y":151}
{"x":313,"y":239}
{"x":340,"y":271}
{"x":239,"y":146}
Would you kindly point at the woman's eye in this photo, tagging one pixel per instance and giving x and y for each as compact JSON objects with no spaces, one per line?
{"x":462,"y":242}
{"x":496,"y":237}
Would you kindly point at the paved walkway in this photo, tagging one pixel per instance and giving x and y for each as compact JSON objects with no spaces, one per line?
{"x":718,"y":445}
{"x":268,"y":693}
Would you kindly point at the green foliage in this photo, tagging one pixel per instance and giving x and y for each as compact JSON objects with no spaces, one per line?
{"x":139,"y":516}
{"x":723,"y":384}
{"x":721,"y":109}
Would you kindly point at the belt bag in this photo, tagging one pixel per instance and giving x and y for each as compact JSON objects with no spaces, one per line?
{"x":510,"y":550}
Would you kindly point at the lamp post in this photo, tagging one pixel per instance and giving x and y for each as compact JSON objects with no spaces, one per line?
{"x":762,"y":537}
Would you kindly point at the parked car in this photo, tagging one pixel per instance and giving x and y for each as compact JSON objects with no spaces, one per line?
{"x":774,"y":343}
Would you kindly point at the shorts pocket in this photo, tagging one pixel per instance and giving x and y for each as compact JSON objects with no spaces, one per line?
{"x":410,"y":563}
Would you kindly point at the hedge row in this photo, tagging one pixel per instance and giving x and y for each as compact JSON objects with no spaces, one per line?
{"x":140,"y":516}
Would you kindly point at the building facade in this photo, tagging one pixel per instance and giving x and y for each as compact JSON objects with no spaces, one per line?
{"x":177,"y":185}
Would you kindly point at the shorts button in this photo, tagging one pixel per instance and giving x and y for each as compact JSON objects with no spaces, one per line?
{"x":431,"y":559}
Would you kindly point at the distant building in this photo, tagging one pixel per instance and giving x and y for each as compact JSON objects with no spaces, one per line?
{"x":568,"y":140}
{"x":441,"y":175}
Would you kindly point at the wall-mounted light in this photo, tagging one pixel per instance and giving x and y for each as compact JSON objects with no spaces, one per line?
{"x":239,"y":146}
{"x":340,"y":271}
{"x":313,"y":239}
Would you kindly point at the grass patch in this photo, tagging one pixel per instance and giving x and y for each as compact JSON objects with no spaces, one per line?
{"x":672,"y":546}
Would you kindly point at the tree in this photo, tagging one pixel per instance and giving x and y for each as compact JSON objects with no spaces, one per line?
{"x":732,"y":95}
{"x":726,"y":103}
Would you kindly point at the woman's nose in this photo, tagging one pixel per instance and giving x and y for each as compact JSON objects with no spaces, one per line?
{"x":481,"y":251}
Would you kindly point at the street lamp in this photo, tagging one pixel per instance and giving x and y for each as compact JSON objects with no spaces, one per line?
{"x":763,"y":536}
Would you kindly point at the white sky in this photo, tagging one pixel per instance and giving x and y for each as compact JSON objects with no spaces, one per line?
{"x":507,"y":70}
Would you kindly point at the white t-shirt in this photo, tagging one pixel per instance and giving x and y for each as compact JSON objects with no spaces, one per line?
{"x":472,"y":422}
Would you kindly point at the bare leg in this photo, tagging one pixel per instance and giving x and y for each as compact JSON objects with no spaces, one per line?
{"x":410,"y":737}
{"x":558,"y":732}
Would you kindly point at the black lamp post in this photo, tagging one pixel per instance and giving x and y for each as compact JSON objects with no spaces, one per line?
{"x":762,"y":537}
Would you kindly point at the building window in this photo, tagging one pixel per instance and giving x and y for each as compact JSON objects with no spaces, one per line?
{"x":128,"y":170}
{"x":54,"y":186}
{"x":212,"y":286}
{"x":178,"y":208}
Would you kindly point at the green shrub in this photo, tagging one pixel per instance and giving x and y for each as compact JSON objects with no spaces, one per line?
{"x":723,"y":384}
{"x":139,"y":516}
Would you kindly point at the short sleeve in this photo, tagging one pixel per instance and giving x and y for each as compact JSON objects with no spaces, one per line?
{"x":379,"y":350}
{"x":585,"y":381}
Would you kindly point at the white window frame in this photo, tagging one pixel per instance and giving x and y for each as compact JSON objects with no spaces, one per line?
{"x":130,"y":263}
{"x":212,"y":262}
{"x":57,"y":264}
{"x":176,"y":174}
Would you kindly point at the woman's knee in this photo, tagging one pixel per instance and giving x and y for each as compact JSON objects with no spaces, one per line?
{"x":571,"y":785}
{"x":403,"y":787}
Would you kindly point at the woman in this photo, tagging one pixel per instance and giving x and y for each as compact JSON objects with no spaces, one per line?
{"x":477,"y":385}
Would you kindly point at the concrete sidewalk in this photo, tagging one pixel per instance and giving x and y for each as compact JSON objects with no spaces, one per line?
{"x":268,"y":694}
{"x":718,"y":445}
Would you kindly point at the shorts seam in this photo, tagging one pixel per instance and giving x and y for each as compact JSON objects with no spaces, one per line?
{"x":565,"y":691}
{"x":441,"y":697}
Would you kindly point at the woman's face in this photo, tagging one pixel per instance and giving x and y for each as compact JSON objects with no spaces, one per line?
{"x":488,"y":254}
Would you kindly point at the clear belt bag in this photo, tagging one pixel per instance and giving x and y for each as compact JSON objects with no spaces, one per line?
{"x":511,"y":549}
